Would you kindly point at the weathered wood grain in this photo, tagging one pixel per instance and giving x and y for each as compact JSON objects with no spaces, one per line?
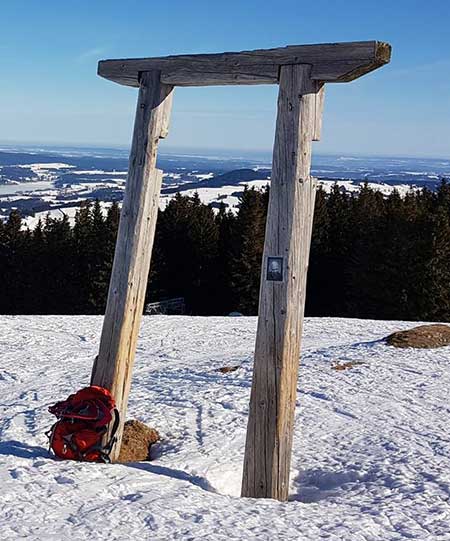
{"x":319,"y":99}
{"x":247,"y":76}
{"x":331,"y":62}
{"x":134,"y":246}
{"x":281,"y":304}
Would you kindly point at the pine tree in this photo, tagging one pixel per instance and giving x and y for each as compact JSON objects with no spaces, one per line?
{"x":432,"y":277}
{"x":82,"y":276}
{"x":393,"y":263}
{"x":111,"y":230}
{"x":13,"y":250}
{"x":371,"y":256}
{"x":248,"y":249}
{"x":99,"y":260}
{"x":186,"y":248}
{"x":226,"y":222}
{"x":317,"y":297}
{"x":36,"y":269}
{"x":335,"y":254}
{"x":61,"y":292}
{"x":203,"y":237}
{"x":365,"y":245}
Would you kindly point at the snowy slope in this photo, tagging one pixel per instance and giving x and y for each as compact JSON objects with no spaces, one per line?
{"x":371,"y":447}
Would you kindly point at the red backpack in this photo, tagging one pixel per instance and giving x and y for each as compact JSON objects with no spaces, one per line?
{"x":83,"y":420}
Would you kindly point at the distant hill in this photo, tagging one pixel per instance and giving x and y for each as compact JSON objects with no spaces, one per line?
{"x":236,"y":176}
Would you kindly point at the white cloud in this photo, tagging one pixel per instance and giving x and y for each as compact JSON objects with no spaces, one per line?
{"x":93,"y":53}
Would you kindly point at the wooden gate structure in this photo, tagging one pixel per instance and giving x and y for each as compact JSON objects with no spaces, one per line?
{"x":301,"y":72}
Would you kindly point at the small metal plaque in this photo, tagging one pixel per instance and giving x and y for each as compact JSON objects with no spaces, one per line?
{"x":274,"y":269}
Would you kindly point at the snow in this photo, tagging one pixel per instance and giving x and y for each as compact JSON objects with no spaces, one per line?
{"x":32,"y":221}
{"x":371,"y":454}
{"x":259,"y":184}
{"x":227,"y":194}
{"x":171,"y":175}
{"x":98,"y":172}
{"x":44,"y":168}
{"x":222,"y":194}
{"x":58,"y":213}
{"x":355,"y":186}
{"x":203,"y":176}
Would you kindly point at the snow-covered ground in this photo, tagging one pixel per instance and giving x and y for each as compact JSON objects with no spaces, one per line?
{"x":371,"y":447}
{"x":229,"y":195}
{"x":31,"y":222}
{"x":354,"y":186}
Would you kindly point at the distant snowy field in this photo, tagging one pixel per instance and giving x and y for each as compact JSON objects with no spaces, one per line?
{"x":371,"y":446}
{"x":39,"y":181}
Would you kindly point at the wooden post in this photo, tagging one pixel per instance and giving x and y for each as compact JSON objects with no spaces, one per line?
{"x":283,"y":287}
{"x":127,"y":287}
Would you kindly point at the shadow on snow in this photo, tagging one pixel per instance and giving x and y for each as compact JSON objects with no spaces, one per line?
{"x":22,"y":450}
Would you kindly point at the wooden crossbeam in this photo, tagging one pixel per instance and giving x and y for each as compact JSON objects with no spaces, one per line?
{"x":330,"y":62}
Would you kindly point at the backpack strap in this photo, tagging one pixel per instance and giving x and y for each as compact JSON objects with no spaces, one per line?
{"x":106,"y":450}
{"x":49,"y":435}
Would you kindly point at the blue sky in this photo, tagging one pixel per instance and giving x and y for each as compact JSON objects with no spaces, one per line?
{"x":49,"y":91}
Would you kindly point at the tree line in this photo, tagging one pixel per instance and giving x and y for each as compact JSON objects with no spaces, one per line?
{"x":372,"y":256}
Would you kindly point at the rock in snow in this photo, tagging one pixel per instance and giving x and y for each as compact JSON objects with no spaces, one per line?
{"x":371,"y":454}
{"x":137,"y":441}
{"x":424,"y":336}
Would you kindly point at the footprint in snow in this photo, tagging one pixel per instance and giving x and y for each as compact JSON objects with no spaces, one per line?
{"x":315,"y":394}
{"x":131,"y":497}
{"x":17,"y":473}
{"x":61,"y":480}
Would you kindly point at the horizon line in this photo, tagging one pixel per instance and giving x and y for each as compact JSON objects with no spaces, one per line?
{"x":194,"y":151}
